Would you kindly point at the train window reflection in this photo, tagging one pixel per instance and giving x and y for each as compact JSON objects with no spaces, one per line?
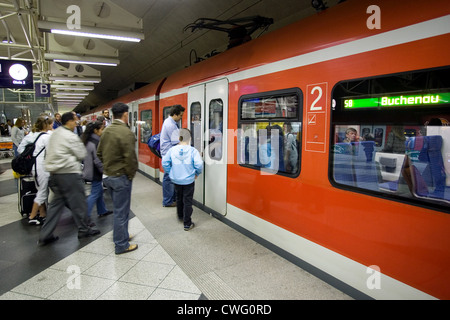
{"x":196,"y":126}
{"x":399,"y":152}
{"x":146,"y":125}
{"x":215,"y":129}
{"x":270,"y":132}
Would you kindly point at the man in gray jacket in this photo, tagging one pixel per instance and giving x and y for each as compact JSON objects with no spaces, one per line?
{"x":63,"y":158}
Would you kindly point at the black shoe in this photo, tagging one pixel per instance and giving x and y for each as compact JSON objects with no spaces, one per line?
{"x":42,"y":220}
{"x":89,"y":233}
{"x":107,"y":213}
{"x":47,"y":241}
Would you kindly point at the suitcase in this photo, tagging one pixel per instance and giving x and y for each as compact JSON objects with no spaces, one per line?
{"x":27,"y":193}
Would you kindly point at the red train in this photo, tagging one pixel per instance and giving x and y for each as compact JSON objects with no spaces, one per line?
{"x":328,"y":139}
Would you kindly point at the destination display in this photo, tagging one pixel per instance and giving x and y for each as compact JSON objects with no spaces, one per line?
{"x":398,"y":101}
{"x":16,"y":74}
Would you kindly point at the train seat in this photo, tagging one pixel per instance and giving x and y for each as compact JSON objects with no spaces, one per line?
{"x":427,"y":166}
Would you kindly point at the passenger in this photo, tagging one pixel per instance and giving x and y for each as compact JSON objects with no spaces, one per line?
{"x":168,"y":139}
{"x":63,"y":161}
{"x":351,"y":135}
{"x":396,"y":140}
{"x":8,"y":126}
{"x":78,"y":128}
{"x":291,"y":149}
{"x":116,"y":151}
{"x":17,"y":134}
{"x":107,"y":119}
{"x":183,"y":164}
{"x":43,"y":125}
{"x":57,"y":123}
{"x":93,"y":169}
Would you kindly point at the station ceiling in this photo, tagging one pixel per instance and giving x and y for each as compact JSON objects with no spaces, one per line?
{"x":165,"y":46}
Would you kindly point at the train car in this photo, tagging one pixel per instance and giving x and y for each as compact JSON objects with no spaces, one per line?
{"x":328,"y":139}
{"x":143,"y":121}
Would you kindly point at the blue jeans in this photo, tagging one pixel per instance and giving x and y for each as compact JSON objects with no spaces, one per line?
{"x":120,"y":190}
{"x":96,"y":197}
{"x":169,"y":195}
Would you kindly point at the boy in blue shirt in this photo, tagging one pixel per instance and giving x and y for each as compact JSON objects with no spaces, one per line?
{"x":183,"y":163}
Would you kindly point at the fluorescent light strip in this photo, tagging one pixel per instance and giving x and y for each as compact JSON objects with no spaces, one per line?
{"x":76,"y":80}
{"x":62,"y":87}
{"x":71,"y":93}
{"x":87,"y":62}
{"x":94,"y":35}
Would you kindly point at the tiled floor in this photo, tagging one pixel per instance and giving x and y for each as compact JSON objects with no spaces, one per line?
{"x":96,"y":272}
{"x":212,"y":261}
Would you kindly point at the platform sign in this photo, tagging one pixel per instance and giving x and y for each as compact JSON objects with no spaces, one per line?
{"x":42,"y":90}
{"x":16,"y":74}
{"x":316,"y":117}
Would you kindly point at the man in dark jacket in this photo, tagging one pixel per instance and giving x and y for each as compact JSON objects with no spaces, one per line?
{"x":116,"y":150}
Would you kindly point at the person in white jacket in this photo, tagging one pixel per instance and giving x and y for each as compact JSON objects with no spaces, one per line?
{"x":42,"y":129}
{"x":65,"y":151}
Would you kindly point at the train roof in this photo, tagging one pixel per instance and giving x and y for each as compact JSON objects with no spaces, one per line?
{"x":337,"y":25}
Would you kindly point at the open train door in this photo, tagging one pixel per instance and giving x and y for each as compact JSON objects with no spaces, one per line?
{"x":208,"y":119}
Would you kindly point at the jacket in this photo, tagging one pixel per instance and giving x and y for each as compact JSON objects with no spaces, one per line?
{"x":116,"y":150}
{"x":183,"y":163}
{"x":64,"y":153}
{"x":93,"y":167}
{"x":42,"y":143}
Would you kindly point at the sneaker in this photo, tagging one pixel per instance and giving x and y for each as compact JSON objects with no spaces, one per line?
{"x":187,"y":228}
{"x":42,"y":219}
{"x":34,"y":222}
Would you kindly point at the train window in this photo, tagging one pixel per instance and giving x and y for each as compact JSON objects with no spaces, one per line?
{"x":166,"y":114}
{"x":196,"y":126}
{"x":391,"y":136}
{"x":270,"y":131}
{"x":146,"y":125}
{"x":215,"y":127}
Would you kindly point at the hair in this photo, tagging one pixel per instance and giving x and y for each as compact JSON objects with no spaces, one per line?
{"x":19,"y":122}
{"x":118,"y":109}
{"x":185,"y":135}
{"x":42,"y":122}
{"x":90,"y":128}
{"x":67,"y":117}
{"x":176,"y":110}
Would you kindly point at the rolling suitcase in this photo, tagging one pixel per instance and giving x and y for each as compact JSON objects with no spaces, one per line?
{"x":27,"y":193}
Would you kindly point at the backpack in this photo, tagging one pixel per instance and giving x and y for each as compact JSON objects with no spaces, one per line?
{"x":153,"y":144}
{"x":23,"y":163}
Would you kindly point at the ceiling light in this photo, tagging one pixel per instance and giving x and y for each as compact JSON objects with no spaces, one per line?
{"x":75,"y":79}
{"x":58,"y":57}
{"x":91,"y":32}
{"x":71,"y":93}
{"x":73,"y":88}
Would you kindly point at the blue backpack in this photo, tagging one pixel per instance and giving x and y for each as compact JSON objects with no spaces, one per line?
{"x":153,"y":144}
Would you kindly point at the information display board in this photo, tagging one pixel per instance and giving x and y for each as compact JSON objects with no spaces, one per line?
{"x":16,"y":74}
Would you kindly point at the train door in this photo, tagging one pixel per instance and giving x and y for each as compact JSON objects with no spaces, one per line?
{"x":132,"y":122}
{"x":196,"y":102}
{"x":208,"y":118}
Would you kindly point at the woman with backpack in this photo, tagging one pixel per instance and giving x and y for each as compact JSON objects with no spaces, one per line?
{"x":42,"y":129}
{"x":93,"y":169}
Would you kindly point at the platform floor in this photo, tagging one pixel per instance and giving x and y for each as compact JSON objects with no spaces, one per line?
{"x":212,"y":261}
